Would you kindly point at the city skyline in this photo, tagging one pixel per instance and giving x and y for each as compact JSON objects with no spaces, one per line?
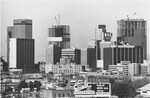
{"x":82,"y":16}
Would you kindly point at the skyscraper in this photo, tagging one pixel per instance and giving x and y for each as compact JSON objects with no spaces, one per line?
{"x":10,"y":34}
{"x":73,"y":53}
{"x":83,"y":56}
{"x":116,"y":54}
{"x":59,"y":35}
{"x":133,"y":31}
{"x":23,"y":28}
{"x":21,"y":54}
{"x":53,"y":54}
{"x":20,"y":49}
{"x":91,"y":58}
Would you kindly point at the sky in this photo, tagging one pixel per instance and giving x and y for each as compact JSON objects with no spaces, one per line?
{"x":83,"y":16}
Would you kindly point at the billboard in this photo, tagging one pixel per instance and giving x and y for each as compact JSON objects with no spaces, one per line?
{"x":103,"y":88}
{"x":101,"y":26}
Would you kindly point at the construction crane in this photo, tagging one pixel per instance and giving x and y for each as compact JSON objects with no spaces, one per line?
{"x":57,"y":20}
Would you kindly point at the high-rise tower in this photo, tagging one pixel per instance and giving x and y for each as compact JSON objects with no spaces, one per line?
{"x":20,"y":47}
{"x":59,"y":35}
{"x":23,"y":28}
{"x":133,"y":31}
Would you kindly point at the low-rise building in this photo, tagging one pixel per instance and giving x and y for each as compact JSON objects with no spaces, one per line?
{"x":64,"y":69}
{"x":145,"y":67}
{"x":125,"y":68}
{"x":96,"y":85}
{"x":58,"y":92}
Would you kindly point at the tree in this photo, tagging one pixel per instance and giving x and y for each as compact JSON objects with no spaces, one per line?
{"x":37,"y":84}
{"x":123,"y":89}
{"x":22,"y":84}
{"x":50,"y":76}
{"x":31,"y":85}
{"x":8,"y":89}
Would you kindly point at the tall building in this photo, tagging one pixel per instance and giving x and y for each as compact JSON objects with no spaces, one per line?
{"x":53,"y":54}
{"x":91,"y":58}
{"x":21,"y":54}
{"x":116,"y":54}
{"x":104,"y":44}
{"x":10,"y":34}
{"x":133,"y":31}
{"x":59,"y":35}
{"x":20,"y":48}
{"x":73,"y":53}
{"x":93,"y":53}
{"x":83,"y":56}
{"x":23,"y":28}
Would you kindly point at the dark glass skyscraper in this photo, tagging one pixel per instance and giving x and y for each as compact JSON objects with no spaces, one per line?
{"x":133,"y":31}
{"x":116,"y":54}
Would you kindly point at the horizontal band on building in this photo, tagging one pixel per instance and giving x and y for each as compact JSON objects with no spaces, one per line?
{"x":22,"y":23}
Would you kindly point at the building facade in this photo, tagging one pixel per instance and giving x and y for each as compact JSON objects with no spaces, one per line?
{"x":83,"y":56}
{"x":130,"y":30}
{"x":53,"y":54}
{"x":20,"y":46}
{"x":117,"y":53}
{"x":58,"y":93}
{"x":59,"y":35}
{"x":73,"y":53}
{"x":125,"y":68}
{"x":104,"y":44}
{"x":91,"y":57}
{"x":95,"y":86}
{"x":23,"y":28}
{"x":67,"y":69}
{"x":21,"y":54}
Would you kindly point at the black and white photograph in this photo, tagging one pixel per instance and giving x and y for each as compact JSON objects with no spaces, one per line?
{"x":74,"y":48}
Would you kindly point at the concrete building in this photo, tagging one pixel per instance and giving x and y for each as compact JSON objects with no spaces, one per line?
{"x":95,"y":86}
{"x":129,"y":30}
{"x":119,"y":69}
{"x":117,"y":53}
{"x":145,"y":67}
{"x":59,"y":35}
{"x":125,"y":68}
{"x":64,"y":69}
{"x":20,"y":46}
{"x":83,"y":56}
{"x":23,"y":28}
{"x":104,"y":44}
{"x":21,"y":54}
{"x":134,"y":69}
{"x":10,"y":34}
{"x":58,"y":92}
{"x":53,"y":54}
{"x":73,"y":53}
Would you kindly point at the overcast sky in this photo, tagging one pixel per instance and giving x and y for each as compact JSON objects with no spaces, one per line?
{"x":83,"y":16}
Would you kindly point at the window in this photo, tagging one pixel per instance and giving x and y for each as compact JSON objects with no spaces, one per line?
{"x":59,"y":95}
{"x":63,"y":95}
